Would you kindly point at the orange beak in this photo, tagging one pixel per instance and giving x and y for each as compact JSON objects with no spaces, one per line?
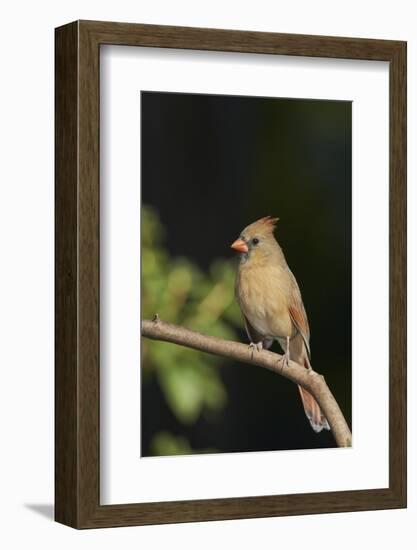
{"x":240,"y":246}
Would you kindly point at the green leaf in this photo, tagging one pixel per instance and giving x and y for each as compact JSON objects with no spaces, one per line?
{"x":166,"y":444}
{"x":183,"y":389}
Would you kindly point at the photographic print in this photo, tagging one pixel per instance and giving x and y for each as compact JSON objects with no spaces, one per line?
{"x":246,"y":236}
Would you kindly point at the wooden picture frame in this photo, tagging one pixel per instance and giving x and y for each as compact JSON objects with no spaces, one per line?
{"x":77,"y":374}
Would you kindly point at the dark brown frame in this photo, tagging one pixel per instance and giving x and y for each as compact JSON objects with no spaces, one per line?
{"x":77,"y":373}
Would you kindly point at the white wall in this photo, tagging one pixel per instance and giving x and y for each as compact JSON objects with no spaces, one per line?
{"x":26,"y":271}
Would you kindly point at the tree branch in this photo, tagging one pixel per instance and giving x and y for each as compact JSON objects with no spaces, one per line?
{"x":311,"y":381}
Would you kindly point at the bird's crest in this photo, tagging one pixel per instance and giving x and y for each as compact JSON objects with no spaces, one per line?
{"x":268,"y":221}
{"x":265,"y":225}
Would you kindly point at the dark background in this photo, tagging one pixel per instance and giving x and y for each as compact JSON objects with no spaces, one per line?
{"x":210,"y":166}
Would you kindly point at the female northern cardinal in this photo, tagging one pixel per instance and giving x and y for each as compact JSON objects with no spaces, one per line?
{"x":271,"y":303}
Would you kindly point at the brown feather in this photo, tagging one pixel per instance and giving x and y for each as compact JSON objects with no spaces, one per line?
{"x":265,"y":226}
{"x":271,"y":303}
{"x":299,"y":318}
{"x":268,"y":221}
{"x":298,"y":353}
{"x":313,"y":412}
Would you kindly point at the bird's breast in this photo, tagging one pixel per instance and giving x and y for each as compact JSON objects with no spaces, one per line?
{"x":263,"y":294}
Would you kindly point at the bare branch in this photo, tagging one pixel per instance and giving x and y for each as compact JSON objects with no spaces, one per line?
{"x":311,"y":381}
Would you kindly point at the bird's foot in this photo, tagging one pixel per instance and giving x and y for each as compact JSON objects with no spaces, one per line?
{"x":285,"y":360}
{"x":252,"y":346}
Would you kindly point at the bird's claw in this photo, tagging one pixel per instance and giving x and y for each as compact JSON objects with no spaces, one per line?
{"x":252,"y":346}
{"x":285,"y":360}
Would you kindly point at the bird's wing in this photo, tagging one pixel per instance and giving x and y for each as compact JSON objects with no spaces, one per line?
{"x":298,"y":314}
{"x":254,"y":336}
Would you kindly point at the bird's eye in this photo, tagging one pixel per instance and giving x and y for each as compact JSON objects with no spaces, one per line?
{"x":255,"y":241}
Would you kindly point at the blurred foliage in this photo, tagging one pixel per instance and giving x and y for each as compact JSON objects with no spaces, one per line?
{"x":166,"y":444}
{"x":181,"y":293}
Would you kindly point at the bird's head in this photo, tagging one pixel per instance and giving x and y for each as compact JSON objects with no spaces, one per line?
{"x":257,"y":240}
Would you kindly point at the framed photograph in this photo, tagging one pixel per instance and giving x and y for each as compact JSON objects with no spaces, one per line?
{"x":230,"y":274}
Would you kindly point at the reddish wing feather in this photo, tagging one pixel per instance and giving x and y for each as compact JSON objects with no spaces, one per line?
{"x":299,"y":316}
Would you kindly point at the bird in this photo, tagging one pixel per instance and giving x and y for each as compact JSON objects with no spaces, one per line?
{"x":271,"y":304}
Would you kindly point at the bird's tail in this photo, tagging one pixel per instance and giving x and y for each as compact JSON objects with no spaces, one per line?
{"x":313,"y":412}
